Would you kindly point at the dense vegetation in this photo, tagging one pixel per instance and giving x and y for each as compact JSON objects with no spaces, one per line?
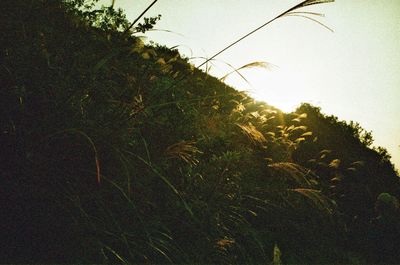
{"x":115,"y":151}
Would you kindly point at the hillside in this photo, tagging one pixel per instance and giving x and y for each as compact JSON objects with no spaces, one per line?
{"x":117,"y":151}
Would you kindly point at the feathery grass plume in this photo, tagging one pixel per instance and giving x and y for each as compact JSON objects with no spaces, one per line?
{"x":320,"y":201}
{"x":167,"y":31}
{"x":293,"y":171}
{"x":358,"y":163}
{"x":302,"y":116}
{"x":299,"y":117}
{"x":252,"y":133}
{"x":306,"y":134}
{"x":184,"y":150}
{"x":305,"y":14}
{"x":325,"y":151}
{"x":314,"y":2}
{"x":287,"y":12}
{"x":355,"y":166}
{"x":265,"y":65}
{"x":225,"y":243}
{"x":302,"y":4}
{"x":335,"y":163}
{"x":299,"y":128}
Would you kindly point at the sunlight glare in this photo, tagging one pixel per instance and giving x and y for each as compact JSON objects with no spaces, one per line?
{"x":279,"y":88}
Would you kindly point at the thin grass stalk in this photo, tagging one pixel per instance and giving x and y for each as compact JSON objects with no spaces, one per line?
{"x":130,"y":202}
{"x":120,"y":235}
{"x":125,"y":162}
{"x":234,"y":70}
{"x":157,"y":249}
{"x":96,"y":156}
{"x":165,"y":180}
{"x":302,"y":4}
{"x":147,"y":149}
{"x":139,"y":17}
{"x":116,"y":254}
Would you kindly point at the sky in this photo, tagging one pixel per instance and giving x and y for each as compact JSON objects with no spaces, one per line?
{"x":352,"y":72}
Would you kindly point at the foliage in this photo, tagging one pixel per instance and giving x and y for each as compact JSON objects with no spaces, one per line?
{"x":117,"y":151}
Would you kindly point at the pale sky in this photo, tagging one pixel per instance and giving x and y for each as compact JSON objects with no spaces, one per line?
{"x":353,"y":73}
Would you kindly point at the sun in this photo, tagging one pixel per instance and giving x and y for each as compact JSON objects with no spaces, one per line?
{"x":279,"y":88}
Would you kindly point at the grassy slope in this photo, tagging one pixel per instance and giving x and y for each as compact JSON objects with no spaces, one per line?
{"x":113,"y":150}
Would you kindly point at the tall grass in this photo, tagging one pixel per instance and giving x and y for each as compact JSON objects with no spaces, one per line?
{"x":200,"y":173}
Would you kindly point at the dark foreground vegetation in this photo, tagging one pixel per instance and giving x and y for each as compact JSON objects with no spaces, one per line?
{"x":117,"y":152}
